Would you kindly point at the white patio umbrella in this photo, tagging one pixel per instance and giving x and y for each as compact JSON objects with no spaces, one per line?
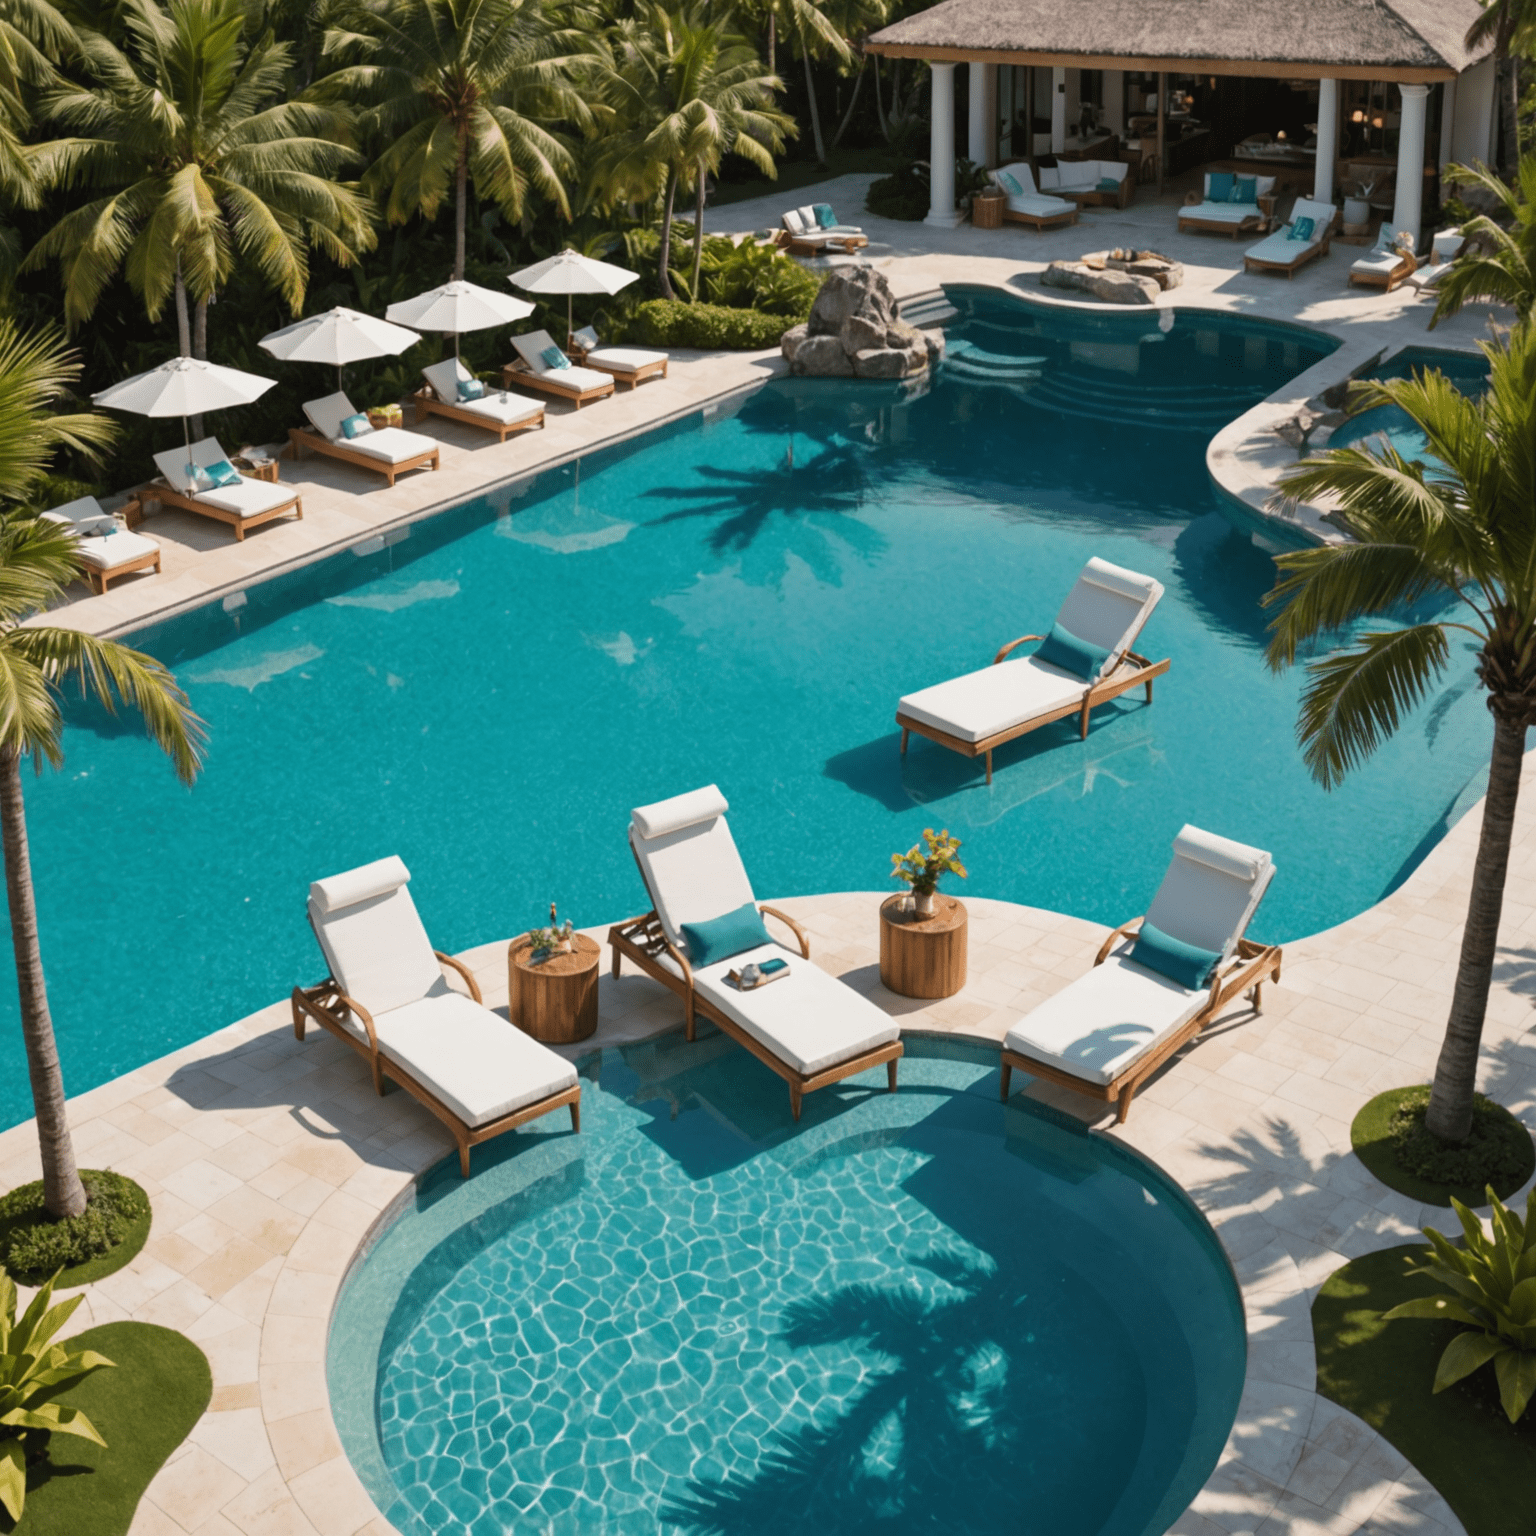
{"x":184,"y":386}
{"x":570,"y":272}
{"x":458,"y":307}
{"x":339,"y":336}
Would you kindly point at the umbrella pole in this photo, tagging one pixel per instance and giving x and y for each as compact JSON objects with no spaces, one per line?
{"x":567,"y":322}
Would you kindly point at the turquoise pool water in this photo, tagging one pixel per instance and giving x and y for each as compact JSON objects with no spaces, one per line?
{"x":913,"y":1312}
{"x":741,"y":597}
{"x":1467,"y":371}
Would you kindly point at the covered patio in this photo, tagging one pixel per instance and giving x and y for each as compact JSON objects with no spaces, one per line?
{"x":1337,"y":97}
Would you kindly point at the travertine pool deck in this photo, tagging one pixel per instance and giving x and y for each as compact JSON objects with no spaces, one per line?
{"x":270,"y":1161}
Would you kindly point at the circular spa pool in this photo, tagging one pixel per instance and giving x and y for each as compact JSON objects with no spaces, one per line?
{"x":914,"y":1311}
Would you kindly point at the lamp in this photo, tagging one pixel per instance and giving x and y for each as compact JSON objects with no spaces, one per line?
{"x":1281,"y":135}
{"x":1357,"y":116}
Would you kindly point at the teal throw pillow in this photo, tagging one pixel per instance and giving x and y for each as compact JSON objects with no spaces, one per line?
{"x":1061,"y":648}
{"x":355,"y":426}
{"x":197,"y":477}
{"x":223,"y":473}
{"x":825,"y":218}
{"x":1187,"y":964}
{"x":1108,"y":184}
{"x":1220,"y":187}
{"x":1301,"y":229}
{"x":721,"y":937}
{"x":1245,"y":189}
{"x":553,"y":357}
{"x":471,"y":389}
{"x":1009,"y":183}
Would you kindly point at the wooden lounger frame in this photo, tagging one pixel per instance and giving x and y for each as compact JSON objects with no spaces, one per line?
{"x":1387,"y":281}
{"x":426,"y":403}
{"x":1291,"y":268}
{"x":328,"y":1005}
{"x":1250,"y":967}
{"x":643,"y":939}
{"x":302,"y":439}
{"x":1253,"y":224}
{"x":1041,"y":221}
{"x":808,"y":245}
{"x":1142,"y":672}
{"x":633,"y":377}
{"x":518,"y":372}
{"x":167,"y":495}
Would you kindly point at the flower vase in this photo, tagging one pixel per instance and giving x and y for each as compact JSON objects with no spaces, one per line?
{"x":923,"y":904}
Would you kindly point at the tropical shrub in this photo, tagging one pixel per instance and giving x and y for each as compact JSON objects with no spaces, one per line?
{"x":33,"y":1245}
{"x":1493,"y":1291}
{"x":33,"y":1373}
{"x":901,"y":195}
{"x":1497,"y":1149}
{"x":753,"y":276}
{"x":709,"y":327}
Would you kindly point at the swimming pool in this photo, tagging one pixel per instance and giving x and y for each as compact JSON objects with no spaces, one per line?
{"x":741,"y":598}
{"x":912,"y":1311}
{"x":1468,"y":371}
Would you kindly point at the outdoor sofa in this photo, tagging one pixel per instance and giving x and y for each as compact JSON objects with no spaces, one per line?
{"x":1157,"y":981}
{"x":201,"y":479}
{"x":497,"y":412}
{"x":1025,"y":204}
{"x":543,"y":366}
{"x":1088,"y":182}
{"x":814,"y":230}
{"x":387,"y":451}
{"x":1229,"y":204}
{"x":387,"y":998}
{"x":106,"y":548}
{"x":808,"y":1027}
{"x":1085,"y":661}
{"x":1307,"y":235}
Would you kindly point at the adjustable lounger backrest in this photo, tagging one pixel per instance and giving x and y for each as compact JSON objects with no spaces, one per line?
{"x":327,"y":415}
{"x":688,"y":859}
{"x":530,"y":346}
{"x":792,"y":221}
{"x":1108,"y":607}
{"x":444,"y":377}
{"x":1321,"y":215}
{"x":371,"y":935}
{"x":207,"y":452}
{"x":173,"y":465}
{"x":84,"y":509}
{"x":1210,"y":891}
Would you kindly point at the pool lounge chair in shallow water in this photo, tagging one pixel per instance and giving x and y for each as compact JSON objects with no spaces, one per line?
{"x":388,"y":999}
{"x":1086,"y":660}
{"x":809,"y":1027}
{"x":1158,"y":980}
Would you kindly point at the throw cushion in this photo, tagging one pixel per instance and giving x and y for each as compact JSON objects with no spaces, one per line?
{"x":553,"y":357}
{"x":1186,"y":964}
{"x":355,"y":426}
{"x":1061,"y":648}
{"x":721,"y":937}
{"x":471,"y":389}
{"x":1009,"y":183}
{"x":1245,"y":189}
{"x":1218,"y":186}
{"x":1108,"y":184}
{"x":1301,"y":229}
{"x":223,"y":473}
{"x":198,"y":478}
{"x":824,"y":215}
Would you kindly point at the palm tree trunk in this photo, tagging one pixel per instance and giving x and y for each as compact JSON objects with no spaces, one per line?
{"x":698,"y":233}
{"x":773,"y":41}
{"x":1450,"y":1100}
{"x":810,"y":91}
{"x":460,"y":210}
{"x":853,"y":101}
{"x":183,"y":321}
{"x":63,"y":1193}
{"x":885,"y":131}
{"x":664,"y":273}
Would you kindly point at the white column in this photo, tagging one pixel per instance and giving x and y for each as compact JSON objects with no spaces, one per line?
{"x":941,"y":149}
{"x":1327,"y":139}
{"x":976,"y":104}
{"x":989,"y":112}
{"x":1407,"y":210}
{"x":1058,"y":111}
{"x":1447,"y":127}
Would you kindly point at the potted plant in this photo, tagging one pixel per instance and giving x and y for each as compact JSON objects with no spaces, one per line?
{"x":922,"y":865}
{"x":553,"y":940}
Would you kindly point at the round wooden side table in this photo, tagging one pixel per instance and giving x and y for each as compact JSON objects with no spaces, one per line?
{"x":556,"y":1000}
{"x":923,"y":958}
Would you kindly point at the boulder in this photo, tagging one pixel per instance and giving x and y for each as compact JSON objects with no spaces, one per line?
{"x":1110,"y":286}
{"x":850,"y":291}
{"x":860,"y":333}
{"x":854,"y":329}
{"x":822,"y":357}
{"x":791,"y":342}
{"x":1163,"y":270}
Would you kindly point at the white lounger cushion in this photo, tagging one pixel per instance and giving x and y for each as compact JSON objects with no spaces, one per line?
{"x":530,"y":347}
{"x":625,"y":359}
{"x":809,"y":1020}
{"x":994,"y":699}
{"x":1081,"y":175}
{"x":1280,"y":248}
{"x":394,"y":445}
{"x":500,"y":407}
{"x":1221,"y":213}
{"x":689,"y":860}
{"x":247,"y":498}
{"x":103,"y":551}
{"x":1384,"y":262}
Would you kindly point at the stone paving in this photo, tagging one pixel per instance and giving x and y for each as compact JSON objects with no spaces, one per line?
{"x":270,"y":1162}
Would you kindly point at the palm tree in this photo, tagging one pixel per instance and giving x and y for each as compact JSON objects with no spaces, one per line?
{"x":1510,"y":25}
{"x":1499,"y":263}
{"x":203,"y":162}
{"x":1463,"y":531}
{"x":686,"y":92}
{"x":37,"y":561}
{"x":459,"y":90}
{"x":32,"y":34}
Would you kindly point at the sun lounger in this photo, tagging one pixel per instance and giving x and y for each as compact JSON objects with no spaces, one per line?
{"x":535,"y":369}
{"x":387,"y":451}
{"x":628,"y":365}
{"x":1389,"y":262}
{"x":1025,"y":204}
{"x":809,"y":1027}
{"x":105,"y":547}
{"x":1445,"y":246}
{"x":1215,"y":213}
{"x":1296,"y":244}
{"x":497,"y":412}
{"x":1104,"y":1034}
{"x":243,"y":502}
{"x":1086,"y":182}
{"x":388,"y":999}
{"x":1104,"y":612}
{"x":809,"y":236}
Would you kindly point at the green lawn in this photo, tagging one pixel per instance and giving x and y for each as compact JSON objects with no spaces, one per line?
{"x":1483,"y":1466}
{"x":144,"y":1409}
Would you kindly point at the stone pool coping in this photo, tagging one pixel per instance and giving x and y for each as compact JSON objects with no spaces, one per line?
{"x":271,"y":1162}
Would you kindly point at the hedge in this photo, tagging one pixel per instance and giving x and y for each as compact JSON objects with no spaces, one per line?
{"x":709,"y":327}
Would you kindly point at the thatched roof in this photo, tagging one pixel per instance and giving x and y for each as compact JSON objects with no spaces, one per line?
{"x":1399,"y":38}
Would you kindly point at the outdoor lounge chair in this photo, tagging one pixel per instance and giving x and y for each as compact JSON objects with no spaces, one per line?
{"x":1104,"y":1034}
{"x":810,"y":236}
{"x":497,"y":412}
{"x":106,"y":548}
{"x":387,"y":451}
{"x":536,"y":367}
{"x":1025,"y":205}
{"x":1287,"y":250}
{"x":243,"y":502}
{"x":1104,"y":612}
{"x":809,"y":1027}
{"x":387,"y":998}
{"x":1086,"y":182}
{"x":628,"y":365}
{"x":1389,"y":262}
{"x":1215,"y":213}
